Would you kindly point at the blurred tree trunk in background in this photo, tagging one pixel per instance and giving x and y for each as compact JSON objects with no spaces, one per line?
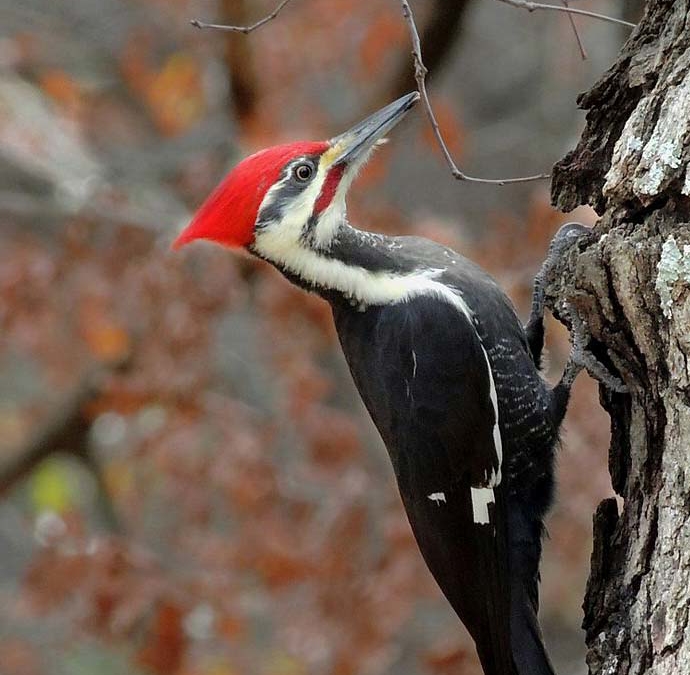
{"x":439,"y":35}
{"x":632,"y":10}
{"x":243,"y":90}
{"x":629,"y":283}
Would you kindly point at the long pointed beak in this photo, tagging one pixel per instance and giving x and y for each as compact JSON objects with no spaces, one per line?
{"x":358,"y":141}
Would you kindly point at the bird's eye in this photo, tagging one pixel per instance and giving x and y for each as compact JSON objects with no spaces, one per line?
{"x":303,"y":172}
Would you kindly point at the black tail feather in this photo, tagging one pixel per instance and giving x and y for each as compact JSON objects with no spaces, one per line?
{"x":493,"y":639}
{"x":527,"y":644}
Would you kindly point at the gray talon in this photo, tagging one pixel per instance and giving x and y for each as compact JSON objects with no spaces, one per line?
{"x":581,"y":358}
{"x":562,"y":241}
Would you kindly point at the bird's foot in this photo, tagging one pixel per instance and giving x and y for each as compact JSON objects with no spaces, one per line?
{"x":581,"y":358}
{"x":561,"y":242}
{"x":566,"y":236}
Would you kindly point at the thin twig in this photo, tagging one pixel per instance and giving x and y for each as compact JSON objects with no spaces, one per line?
{"x":420,"y":72}
{"x":532,"y":6}
{"x":242,"y":29}
{"x":580,"y":45}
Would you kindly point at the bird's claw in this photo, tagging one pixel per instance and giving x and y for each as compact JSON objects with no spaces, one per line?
{"x":566,"y":236}
{"x":562,"y":240}
{"x":581,"y":358}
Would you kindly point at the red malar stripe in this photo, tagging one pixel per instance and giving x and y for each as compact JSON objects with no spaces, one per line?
{"x":330,"y":185}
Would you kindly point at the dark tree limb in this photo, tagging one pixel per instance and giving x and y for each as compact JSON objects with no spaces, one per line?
{"x":633,"y":10}
{"x":239,"y":58}
{"x":244,"y":91}
{"x":438,"y":37}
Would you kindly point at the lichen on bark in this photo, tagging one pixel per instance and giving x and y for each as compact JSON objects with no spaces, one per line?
{"x":630,"y":285}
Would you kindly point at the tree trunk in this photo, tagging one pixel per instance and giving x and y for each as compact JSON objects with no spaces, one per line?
{"x":630,"y":285}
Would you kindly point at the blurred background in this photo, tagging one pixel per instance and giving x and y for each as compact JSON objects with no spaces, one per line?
{"x":189,"y":484}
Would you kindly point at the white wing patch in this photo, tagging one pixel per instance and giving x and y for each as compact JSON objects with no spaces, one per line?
{"x":481,"y":498}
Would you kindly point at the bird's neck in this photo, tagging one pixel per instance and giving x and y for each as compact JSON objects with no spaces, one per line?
{"x":356,"y":266}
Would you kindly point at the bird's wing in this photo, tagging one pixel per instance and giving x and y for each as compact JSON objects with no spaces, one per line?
{"x":424,"y":376}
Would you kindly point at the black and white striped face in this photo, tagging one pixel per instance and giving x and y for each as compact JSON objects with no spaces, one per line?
{"x":304,"y":207}
{"x":302,"y":211}
{"x":286,"y":202}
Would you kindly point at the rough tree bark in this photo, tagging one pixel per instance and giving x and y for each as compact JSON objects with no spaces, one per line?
{"x":629,"y":283}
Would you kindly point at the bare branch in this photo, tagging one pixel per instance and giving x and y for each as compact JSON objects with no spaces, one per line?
{"x":580,"y":45}
{"x":242,"y":29}
{"x":532,"y":6}
{"x":420,"y":73}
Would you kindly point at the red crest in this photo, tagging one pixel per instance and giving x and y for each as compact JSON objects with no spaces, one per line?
{"x":229,"y":214}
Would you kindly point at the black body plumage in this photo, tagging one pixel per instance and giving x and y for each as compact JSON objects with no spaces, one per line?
{"x":422,"y":369}
{"x":450,"y":377}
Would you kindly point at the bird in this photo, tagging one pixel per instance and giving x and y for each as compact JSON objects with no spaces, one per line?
{"x":445,"y":368}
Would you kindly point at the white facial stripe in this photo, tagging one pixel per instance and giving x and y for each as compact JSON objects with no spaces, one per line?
{"x":306,"y":194}
{"x":330,"y":219}
{"x":275,"y":240}
{"x":356,"y":283}
{"x":298,"y":213}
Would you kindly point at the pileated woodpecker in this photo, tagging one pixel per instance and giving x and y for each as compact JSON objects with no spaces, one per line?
{"x":444,"y":366}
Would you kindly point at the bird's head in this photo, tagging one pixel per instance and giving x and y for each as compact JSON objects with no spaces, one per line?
{"x":291,"y":197}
